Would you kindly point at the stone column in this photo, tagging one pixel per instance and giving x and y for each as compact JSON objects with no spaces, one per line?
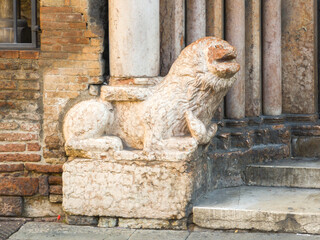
{"x":272,"y":95}
{"x":253,"y":58}
{"x":235,"y":35}
{"x":196,"y":20}
{"x":172,"y":31}
{"x":134,"y":38}
{"x":215,"y":27}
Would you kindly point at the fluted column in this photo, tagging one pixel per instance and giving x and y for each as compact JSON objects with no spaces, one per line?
{"x":272,"y":90}
{"x":196,"y":20}
{"x":235,"y":35}
{"x":134,"y":38}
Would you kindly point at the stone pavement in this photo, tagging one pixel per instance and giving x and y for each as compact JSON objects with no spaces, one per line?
{"x":60,"y":231}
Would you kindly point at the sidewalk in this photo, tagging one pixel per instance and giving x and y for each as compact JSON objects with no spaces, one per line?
{"x":44,"y":230}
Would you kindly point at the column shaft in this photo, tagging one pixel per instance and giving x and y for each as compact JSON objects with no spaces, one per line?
{"x":272,"y":90}
{"x":196,"y":20}
{"x":134,"y":38}
{"x":253,"y":58}
{"x":235,"y":35}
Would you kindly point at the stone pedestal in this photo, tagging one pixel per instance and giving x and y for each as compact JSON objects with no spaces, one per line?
{"x":134,"y":185}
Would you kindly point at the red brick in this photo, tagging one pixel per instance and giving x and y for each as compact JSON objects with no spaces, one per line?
{"x":30,"y":127}
{"x":12,"y":147}
{"x":29,"y":54}
{"x":56,"y":55}
{"x":43,"y":168}
{"x":29,"y":85}
{"x":62,"y":17}
{"x":55,"y":180}
{"x":10,"y":206}
{"x":43,"y":186}
{"x":55,"y":189}
{"x":19,"y":157}
{"x":11,"y":167}
{"x":74,"y":40}
{"x":9,"y":66}
{"x":71,"y":48}
{"x":7,"y":106}
{"x":10,"y":137}
{"x":33,"y":147}
{"x":9,"y":54}
{"x":55,"y":10}
{"x":8,"y":85}
{"x":62,"y":25}
{"x":23,"y":186}
{"x":74,"y":33}
{"x":8,"y":125}
{"x":19,"y":95}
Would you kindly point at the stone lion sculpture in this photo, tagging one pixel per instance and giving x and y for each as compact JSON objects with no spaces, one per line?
{"x":176,"y":115}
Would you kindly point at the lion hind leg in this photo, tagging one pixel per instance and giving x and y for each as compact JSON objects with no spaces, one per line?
{"x":198,"y":129}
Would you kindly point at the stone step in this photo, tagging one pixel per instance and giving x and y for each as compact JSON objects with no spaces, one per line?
{"x":302,"y":173}
{"x":260,"y":208}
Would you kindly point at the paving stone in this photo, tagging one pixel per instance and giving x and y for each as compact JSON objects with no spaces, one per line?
{"x":304,"y":173}
{"x":54,"y":231}
{"x":159,"y":235}
{"x":260,"y":208}
{"x":7,"y":228}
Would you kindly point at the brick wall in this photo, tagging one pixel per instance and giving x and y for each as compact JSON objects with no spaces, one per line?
{"x":35,"y":88}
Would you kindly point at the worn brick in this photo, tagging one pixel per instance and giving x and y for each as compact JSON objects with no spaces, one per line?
{"x":54,"y":198}
{"x":55,"y":189}
{"x":8,"y":85}
{"x":29,"y":54}
{"x":44,"y":10}
{"x":73,"y":40}
{"x":43,"y":168}
{"x":30,"y":127}
{"x":12,"y":147}
{"x":10,"y":137}
{"x":11,"y":167}
{"x":9,"y":66}
{"x":19,"y":157}
{"x":9,"y":54}
{"x":4,"y":106}
{"x":19,"y":95}
{"x":43,"y":186}
{"x":10,"y":206}
{"x":63,"y":25}
{"x":33,"y":147}
{"x":52,"y":142}
{"x":55,"y":180}
{"x":8,"y":125}
{"x":29,"y":85}
{"x":15,"y":186}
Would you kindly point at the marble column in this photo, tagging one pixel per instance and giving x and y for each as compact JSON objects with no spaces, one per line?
{"x":215,"y":27}
{"x":134,"y":38}
{"x":271,"y":41}
{"x":253,"y":58}
{"x":235,"y":35}
{"x":196,"y":20}
{"x":172,"y":31}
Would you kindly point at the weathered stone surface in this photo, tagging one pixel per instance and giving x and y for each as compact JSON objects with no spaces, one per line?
{"x":195,"y":20}
{"x":54,"y":198}
{"x":132,"y":188}
{"x":10,"y":206}
{"x":172,"y":32}
{"x":260,"y":208}
{"x":18,"y":186}
{"x":158,"y":235}
{"x":253,"y":58}
{"x":299,"y":53}
{"x":123,"y":93}
{"x":43,"y":186}
{"x":55,"y":189}
{"x":55,"y":180}
{"x":41,"y":207}
{"x":141,"y":21}
{"x":235,"y":34}
{"x":82,"y":220}
{"x":153,"y":223}
{"x":303,"y":173}
{"x":107,"y":222}
{"x":305,"y":146}
{"x":271,"y":42}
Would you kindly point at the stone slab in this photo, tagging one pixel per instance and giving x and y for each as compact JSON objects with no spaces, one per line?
{"x":159,"y":235}
{"x":260,"y":208}
{"x":53,"y":231}
{"x":304,"y":173}
{"x":133,"y":188}
{"x":21,"y":186}
{"x":10,"y":206}
{"x":305,"y":146}
{"x":7,"y":228}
